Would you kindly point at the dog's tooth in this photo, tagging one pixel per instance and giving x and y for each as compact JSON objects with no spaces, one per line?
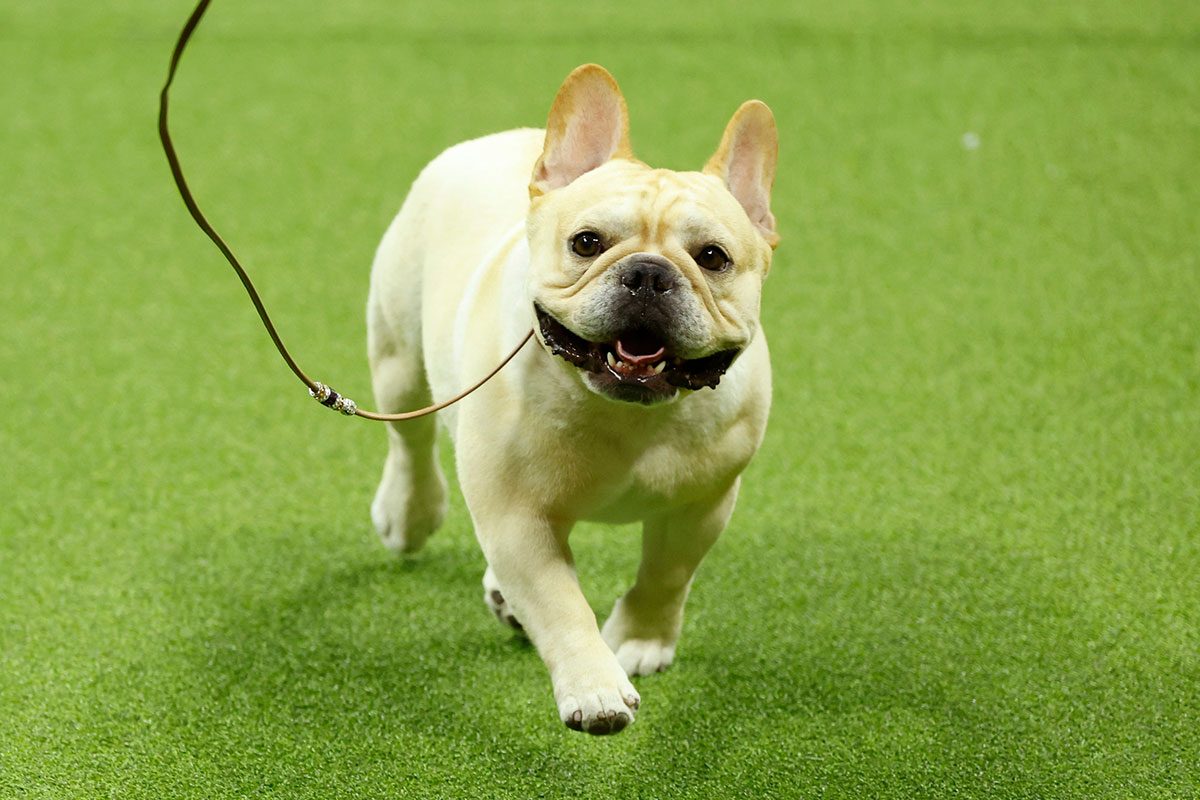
{"x":612,"y":359}
{"x":659,"y":367}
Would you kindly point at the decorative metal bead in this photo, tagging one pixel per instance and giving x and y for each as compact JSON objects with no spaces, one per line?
{"x":331,"y":399}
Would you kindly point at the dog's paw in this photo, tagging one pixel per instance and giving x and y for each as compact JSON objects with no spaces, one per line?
{"x":597,"y":704}
{"x":405,"y":516}
{"x":493,"y":598}
{"x":644,"y":656}
{"x":643,"y":644}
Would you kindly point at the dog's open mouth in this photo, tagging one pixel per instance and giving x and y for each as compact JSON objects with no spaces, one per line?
{"x":637,"y":365}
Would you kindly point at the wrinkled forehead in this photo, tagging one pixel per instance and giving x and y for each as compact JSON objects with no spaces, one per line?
{"x":625,"y":199}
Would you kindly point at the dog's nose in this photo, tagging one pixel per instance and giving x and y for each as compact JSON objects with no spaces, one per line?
{"x":646,"y":278}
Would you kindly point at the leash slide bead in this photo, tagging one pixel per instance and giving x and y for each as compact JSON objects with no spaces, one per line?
{"x":331,"y":399}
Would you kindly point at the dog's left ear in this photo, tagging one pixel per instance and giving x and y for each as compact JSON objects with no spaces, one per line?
{"x":745,"y":160}
{"x":588,"y":126}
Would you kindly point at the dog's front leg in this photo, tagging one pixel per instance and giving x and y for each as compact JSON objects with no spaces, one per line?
{"x":645,"y":624}
{"x":531,"y":560}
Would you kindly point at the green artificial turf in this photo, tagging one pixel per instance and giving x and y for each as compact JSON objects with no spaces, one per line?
{"x":965,"y":564}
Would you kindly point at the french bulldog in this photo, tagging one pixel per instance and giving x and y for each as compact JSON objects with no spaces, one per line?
{"x":644,"y":397}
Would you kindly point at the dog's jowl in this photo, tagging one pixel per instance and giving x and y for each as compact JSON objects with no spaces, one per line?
{"x":646,"y":396}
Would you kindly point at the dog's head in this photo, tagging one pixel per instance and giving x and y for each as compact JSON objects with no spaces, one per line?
{"x":647,"y":280}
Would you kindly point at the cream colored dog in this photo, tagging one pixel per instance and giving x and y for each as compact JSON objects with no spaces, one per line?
{"x":645,"y":400}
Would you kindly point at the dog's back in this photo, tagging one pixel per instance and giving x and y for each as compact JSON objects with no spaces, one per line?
{"x":462,"y":204}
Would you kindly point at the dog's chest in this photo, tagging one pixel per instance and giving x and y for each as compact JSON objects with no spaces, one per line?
{"x":627,"y":475}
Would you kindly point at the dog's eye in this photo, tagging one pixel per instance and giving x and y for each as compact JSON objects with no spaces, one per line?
{"x":712,"y":258}
{"x":587,"y":244}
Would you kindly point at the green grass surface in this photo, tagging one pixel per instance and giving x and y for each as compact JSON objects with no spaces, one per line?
{"x":966,"y":562}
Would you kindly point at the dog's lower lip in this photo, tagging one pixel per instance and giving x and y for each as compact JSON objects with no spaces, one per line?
{"x":654,"y":373}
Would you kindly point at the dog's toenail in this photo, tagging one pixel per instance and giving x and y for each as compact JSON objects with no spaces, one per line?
{"x":511,"y":620}
{"x":497,"y":598}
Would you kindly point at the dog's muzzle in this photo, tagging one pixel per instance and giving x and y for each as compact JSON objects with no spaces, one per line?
{"x":637,"y":365}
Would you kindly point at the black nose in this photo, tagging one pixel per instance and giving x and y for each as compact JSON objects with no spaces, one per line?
{"x":648,"y":278}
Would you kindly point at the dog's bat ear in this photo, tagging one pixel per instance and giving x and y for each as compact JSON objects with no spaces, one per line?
{"x":588,"y":126}
{"x":745,"y":160}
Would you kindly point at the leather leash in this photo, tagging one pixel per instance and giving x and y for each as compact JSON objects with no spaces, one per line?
{"x":323,"y":394}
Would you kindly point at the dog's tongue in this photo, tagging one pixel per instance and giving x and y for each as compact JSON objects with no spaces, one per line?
{"x":637,"y":359}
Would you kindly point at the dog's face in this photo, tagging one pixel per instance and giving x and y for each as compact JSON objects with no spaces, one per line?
{"x":647,"y":281}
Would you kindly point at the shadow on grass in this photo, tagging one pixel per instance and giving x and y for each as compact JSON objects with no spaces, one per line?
{"x":382,"y":666}
{"x":897,"y":664}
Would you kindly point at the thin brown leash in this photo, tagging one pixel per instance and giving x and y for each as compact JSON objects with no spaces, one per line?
{"x":323,"y":394}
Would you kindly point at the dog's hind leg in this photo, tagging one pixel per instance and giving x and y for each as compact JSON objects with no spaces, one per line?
{"x":410,"y":503}
{"x":493,"y":598}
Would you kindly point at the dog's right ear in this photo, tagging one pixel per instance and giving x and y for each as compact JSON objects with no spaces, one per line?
{"x":588,"y":126}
